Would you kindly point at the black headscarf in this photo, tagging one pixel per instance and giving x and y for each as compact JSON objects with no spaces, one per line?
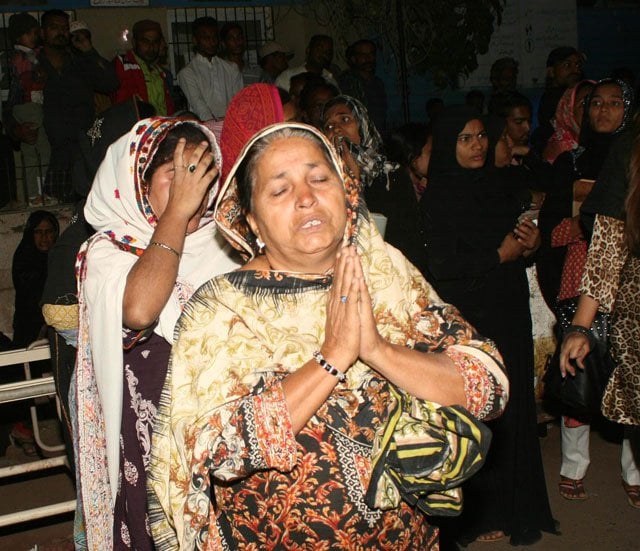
{"x":443,"y":164}
{"x":29,"y":272}
{"x":612,"y":179}
{"x":594,"y":146}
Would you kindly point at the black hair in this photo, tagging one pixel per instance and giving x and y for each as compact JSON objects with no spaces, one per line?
{"x":34,"y":220}
{"x":502,"y":103}
{"x":285,"y":97}
{"x":50,"y":14}
{"x":316,"y":38}
{"x":228,"y":27}
{"x":164,"y":151}
{"x":313,"y":86}
{"x":405,"y":142}
{"x":351,"y":48}
{"x":201,"y":22}
{"x":306,"y":77}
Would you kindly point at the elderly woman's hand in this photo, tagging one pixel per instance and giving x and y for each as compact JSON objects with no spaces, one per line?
{"x":372,"y":345}
{"x":195,"y":170}
{"x":342,"y":327}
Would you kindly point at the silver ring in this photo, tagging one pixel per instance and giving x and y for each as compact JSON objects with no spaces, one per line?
{"x":343,"y":299}
{"x":191,"y":168}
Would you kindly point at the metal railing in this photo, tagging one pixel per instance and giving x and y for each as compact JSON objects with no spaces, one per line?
{"x":24,"y":390}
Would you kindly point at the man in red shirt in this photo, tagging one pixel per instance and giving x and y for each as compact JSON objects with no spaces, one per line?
{"x":139,"y":72}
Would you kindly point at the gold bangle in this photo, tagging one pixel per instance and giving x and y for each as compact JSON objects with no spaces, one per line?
{"x":165,"y":247}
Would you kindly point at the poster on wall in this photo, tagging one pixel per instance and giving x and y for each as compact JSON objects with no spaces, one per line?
{"x":529,"y":31}
{"x":127,"y":3}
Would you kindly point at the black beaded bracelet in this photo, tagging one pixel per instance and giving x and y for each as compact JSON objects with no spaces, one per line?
{"x":583,"y":331}
{"x":324,"y":364}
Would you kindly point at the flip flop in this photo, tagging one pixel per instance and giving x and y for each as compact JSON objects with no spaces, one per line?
{"x":633,"y":494}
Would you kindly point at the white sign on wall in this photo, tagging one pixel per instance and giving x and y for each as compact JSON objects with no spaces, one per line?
{"x":529,"y":31}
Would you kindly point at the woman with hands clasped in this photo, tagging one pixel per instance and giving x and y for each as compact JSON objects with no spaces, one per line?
{"x":476,"y":260}
{"x":150,"y":204}
{"x":283,"y":373}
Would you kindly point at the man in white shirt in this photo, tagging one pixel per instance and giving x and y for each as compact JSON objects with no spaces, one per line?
{"x":319,"y":57}
{"x":208,"y":82}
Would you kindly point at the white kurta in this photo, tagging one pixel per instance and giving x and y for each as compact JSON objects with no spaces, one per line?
{"x":209,"y":85}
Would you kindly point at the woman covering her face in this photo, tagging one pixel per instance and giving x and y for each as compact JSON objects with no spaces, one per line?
{"x":476,"y":258}
{"x":155,"y":245}
{"x":285,"y":372}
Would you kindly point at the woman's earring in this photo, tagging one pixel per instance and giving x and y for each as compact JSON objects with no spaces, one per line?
{"x":261,"y":245}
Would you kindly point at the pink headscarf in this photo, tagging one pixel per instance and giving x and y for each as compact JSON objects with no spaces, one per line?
{"x":567,"y":129}
{"x":253,"y":108}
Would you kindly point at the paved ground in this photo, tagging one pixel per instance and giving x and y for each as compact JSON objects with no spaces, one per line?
{"x":605,"y":522}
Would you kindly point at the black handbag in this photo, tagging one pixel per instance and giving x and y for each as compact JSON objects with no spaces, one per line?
{"x":580,"y":395}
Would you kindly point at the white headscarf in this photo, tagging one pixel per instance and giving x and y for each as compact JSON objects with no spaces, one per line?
{"x":118,"y":208}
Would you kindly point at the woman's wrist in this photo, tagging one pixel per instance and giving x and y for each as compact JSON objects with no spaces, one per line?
{"x":581,"y":330}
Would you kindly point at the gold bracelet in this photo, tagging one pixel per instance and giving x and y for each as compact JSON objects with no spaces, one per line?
{"x":165,"y":247}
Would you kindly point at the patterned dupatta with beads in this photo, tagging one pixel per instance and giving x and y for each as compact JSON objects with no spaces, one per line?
{"x":119,"y":210}
{"x":243,"y":332}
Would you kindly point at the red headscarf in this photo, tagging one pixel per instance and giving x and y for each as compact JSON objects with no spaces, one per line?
{"x":251,"y":109}
{"x":567,"y":129}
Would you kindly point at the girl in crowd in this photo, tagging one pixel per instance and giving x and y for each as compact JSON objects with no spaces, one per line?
{"x":476,"y":260}
{"x":567,"y":120}
{"x":29,"y":273}
{"x":155,"y":245}
{"x":264,"y":436}
{"x":387,"y":191}
{"x":409,"y":146}
{"x":611,"y":283}
{"x":313,"y":97}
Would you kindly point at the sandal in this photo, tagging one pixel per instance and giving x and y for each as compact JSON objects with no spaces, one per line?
{"x":22,"y":437}
{"x":571,"y":489}
{"x":490,"y":537}
{"x":633,"y":494}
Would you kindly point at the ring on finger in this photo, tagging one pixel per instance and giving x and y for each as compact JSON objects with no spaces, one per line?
{"x":343,"y":299}
{"x":191,"y":168}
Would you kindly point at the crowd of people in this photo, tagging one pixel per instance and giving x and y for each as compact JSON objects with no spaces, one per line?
{"x":271,"y":299}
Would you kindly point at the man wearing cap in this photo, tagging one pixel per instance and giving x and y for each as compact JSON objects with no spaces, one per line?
{"x":208,"y":81}
{"x":564,"y":70}
{"x":273,"y":58}
{"x":73,"y":75}
{"x":319,"y":57}
{"x":138,"y":70}
{"x":360,"y":81}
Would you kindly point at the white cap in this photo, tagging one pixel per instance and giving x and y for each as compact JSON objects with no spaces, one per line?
{"x":78,"y":26}
{"x":272,"y":47}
